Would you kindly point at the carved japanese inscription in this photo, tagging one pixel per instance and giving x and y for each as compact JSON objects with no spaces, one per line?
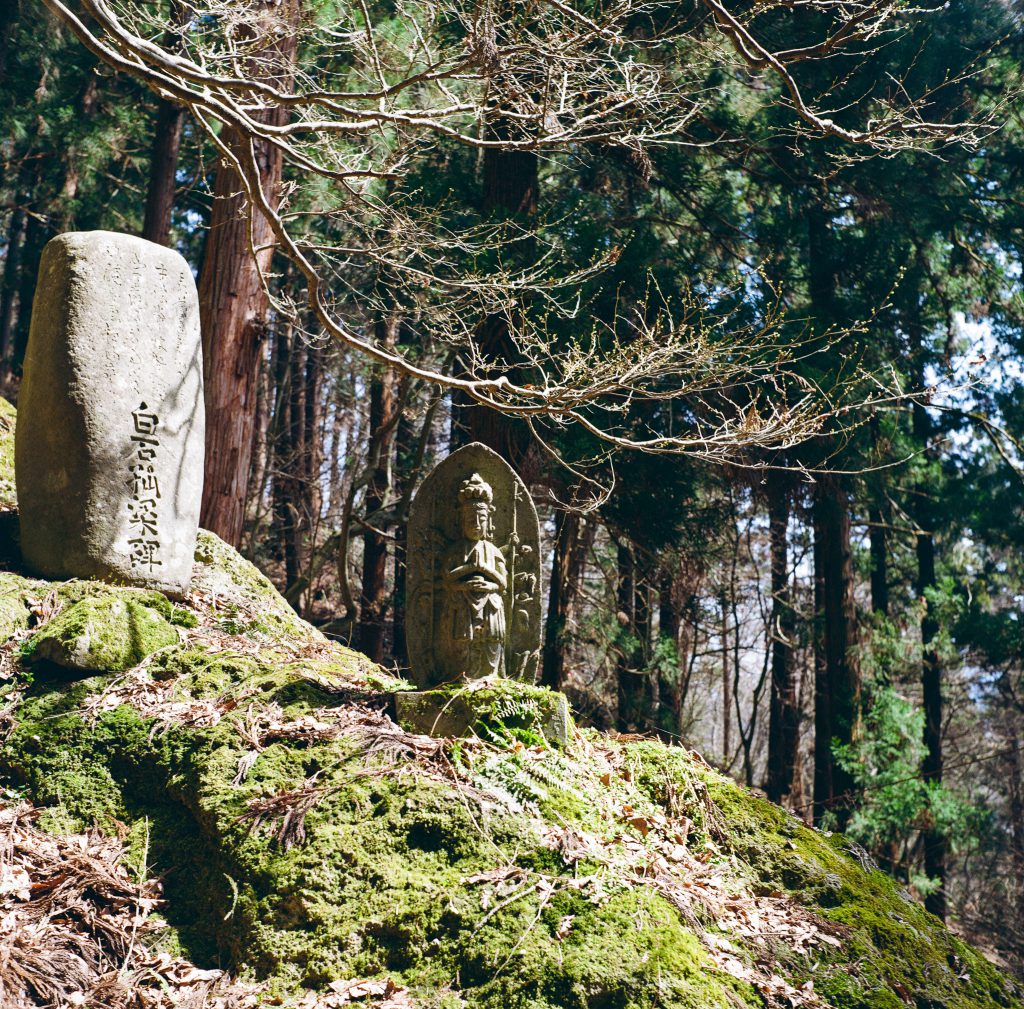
{"x":143,"y":511}
{"x":109,"y":443}
{"x":473,"y":606}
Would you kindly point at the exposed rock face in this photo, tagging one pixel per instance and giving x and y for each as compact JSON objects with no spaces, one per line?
{"x":109,"y":447}
{"x":474,"y":572}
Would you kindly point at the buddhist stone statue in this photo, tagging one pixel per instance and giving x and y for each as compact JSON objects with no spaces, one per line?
{"x":473,"y":605}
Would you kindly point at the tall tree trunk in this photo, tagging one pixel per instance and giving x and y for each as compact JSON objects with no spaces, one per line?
{"x":9,"y":284}
{"x":163,"y":160}
{"x":373,"y":603}
{"x":278,"y":438}
{"x":879,"y":561}
{"x":405,"y":452}
{"x":295,"y":450}
{"x":878,"y":539}
{"x":36,"y":236}
{"x":935,"y":844}
{"x":256,"y":493}
{"x":670,"y":675}
{"x":642,"y":621}
{"x":312,"y":436}
{"x":560,"y":593}
{"x":784,"y":708}
{"x":8,"y":17}
{"x":726,"y":684}
{"x":633,"y":700}
{"x":233,"y":305}
{"x":510,"y":188}
{"x":821,"y":790}
{"x":163,"y":172}
{"x":931,"y":683}
{"x":1015,"y":794}
{"x":837,"y":678}
{"x":837,"y":701}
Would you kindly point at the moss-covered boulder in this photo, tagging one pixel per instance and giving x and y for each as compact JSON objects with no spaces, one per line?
{"x":486,"y":707}
{"x":307,"y":841}
{"x":107,"y":633}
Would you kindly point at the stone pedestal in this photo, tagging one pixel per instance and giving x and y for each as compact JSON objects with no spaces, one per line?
{"x":501,"y":708}
{"x":110,"y":434}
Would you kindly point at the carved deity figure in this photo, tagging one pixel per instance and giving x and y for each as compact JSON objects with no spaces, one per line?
{"x":473,"y":572}
{"x":474,"y":581}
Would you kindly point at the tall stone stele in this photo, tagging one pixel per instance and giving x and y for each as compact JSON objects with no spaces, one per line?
{"x":110,"y":433}
{"x":473,"y":606}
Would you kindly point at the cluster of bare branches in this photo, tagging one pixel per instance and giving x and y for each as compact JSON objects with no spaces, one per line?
{"x":365,"y":101}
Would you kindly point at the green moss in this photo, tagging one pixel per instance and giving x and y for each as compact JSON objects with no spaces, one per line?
{"x":16,"y":596}
{"x":498,"y":710}
{"x":108,"y":633}
{"x":891,"y":946}
{"x":673,"y":780}
{"x":404,"y":875}
{"x":8,"y":494}
{"x":247,"y":599}
{"x":627,"y":952}
{"x":386,"y":881}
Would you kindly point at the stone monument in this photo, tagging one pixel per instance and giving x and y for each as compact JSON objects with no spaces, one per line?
{"x":473,"y":603}
{"x":110,"y":434}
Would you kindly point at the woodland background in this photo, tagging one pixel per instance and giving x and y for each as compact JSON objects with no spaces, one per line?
{"x":837,"y":620}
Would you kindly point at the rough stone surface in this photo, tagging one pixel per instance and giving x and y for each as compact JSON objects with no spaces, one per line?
{"x":109,"y":443}
{"x":473,"y":606}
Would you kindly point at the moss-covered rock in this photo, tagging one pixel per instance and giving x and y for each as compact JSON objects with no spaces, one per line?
{"x":243,"y":599}
{"x":107,"y":633}
{"x":304,"y":838}
{"x":17,"y":597}
{"x":8,"y":494}
{"x":492,"y":708}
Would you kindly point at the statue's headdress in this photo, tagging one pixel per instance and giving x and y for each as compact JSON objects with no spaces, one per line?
{"x":476,"y":488}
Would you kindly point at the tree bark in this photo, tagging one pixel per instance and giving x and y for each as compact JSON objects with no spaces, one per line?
{"x":373,"y":603}
{"x":36,"y":236}
{"x":312,"y":437}
{"x":9,"y":284}
{"x":784,"y":707}
{"x":1015,"y":796}
{"x":837,"y":700}
{"x":669,"y":679}
{"x":8,"y":16}
{"x":560,"y":594}
{"x":233,"y":306}
{"x":510,"y":188}
{"x":163,"y":172}
{"x":292,"y":466}
{"x":279,"y":437}
{"x":935,"y":844}
{"x":931,"y":683}
{"x":405,"y":451}
{"x":726,"y":685}
{"x":163,"y":161}
{"x":633,"y":686}
{"x":879,"y":561}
